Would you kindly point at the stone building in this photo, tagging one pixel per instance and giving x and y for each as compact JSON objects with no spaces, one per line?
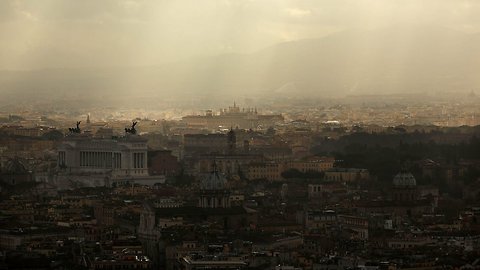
{"x":404,"y":187}
{"x":213,"y":192}
{"x":125,"y":156}
{"x":234,"y":116}
{"x":14,"y":172}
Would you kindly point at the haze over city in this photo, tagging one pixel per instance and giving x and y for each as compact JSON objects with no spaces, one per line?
{"x":182,"y":49}
{"x":240,"y":134}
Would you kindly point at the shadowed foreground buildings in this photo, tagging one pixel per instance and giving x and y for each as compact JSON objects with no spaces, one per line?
{"x":405,"y":199}
{"x":213,"y":206}
{"x":243,"y":199}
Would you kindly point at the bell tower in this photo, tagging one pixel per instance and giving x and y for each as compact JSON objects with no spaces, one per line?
{"x":232,"y":141}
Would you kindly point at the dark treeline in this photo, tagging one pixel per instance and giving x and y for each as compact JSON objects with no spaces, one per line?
{"x":385,"y":154}
{"x":296,"y":174}
{"x":393,"y":136}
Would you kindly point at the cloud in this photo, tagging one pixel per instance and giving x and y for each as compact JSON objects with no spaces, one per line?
{"x":298,"y":13}
{"x":140,"y":32}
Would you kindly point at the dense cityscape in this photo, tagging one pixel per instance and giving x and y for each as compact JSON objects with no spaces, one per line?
{"x":237,"y":188}
{"x":240,"y":134}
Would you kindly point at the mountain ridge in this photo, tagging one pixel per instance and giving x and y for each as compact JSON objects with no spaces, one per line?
{"x":389,"y":60}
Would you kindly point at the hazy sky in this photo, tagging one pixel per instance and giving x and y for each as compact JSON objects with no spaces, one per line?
{"x":90,"y":33}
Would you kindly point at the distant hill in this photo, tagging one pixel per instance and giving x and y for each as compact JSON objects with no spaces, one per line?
{"x":391,"y":60}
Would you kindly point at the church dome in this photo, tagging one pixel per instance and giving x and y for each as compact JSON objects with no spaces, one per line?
{"x":404,"y":179}
{"x":213,"y":181}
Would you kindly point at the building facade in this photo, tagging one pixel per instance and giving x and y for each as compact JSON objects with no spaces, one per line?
{"x":244,"y":118}
{"x":213,"y":192}
{"x":126,"y":156}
